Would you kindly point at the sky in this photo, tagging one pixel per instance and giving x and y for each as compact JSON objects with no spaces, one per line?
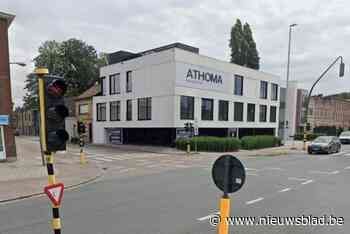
{"x":321,"y":35}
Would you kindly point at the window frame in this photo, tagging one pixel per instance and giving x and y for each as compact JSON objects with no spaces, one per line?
{"x":111,"y":117}
{"x":102,"y":86}
{"x":129,"y":110}
{"x":248,"y":112}
{"x":240,"y":91}
{"x":148,"y":108}
{"x":187,"y":113}
{"x":241,"y":119}
{"x":275,"y":119}
{"x":262,"y":96}
{"x":79,"y":108}
{"x":203,"y":114}
{"x":260,"y":113}
{"x":98,"y":113}
{"x":128,"y":84}
{"x":274,"y":89}
{"x":114,"y":90}
{"x":223,"y":116}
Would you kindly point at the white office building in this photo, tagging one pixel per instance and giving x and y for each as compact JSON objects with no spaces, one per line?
{"x":148,"y":97}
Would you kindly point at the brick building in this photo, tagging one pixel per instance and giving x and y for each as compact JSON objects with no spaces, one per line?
{"x":27,"y":122}
{"x":7,"y":139}
{"x":329,"y":111}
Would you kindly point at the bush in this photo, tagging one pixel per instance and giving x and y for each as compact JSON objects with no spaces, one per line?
{"x":259,"y":142}
{"x":309,"y":136}
{"x":209,"y":144}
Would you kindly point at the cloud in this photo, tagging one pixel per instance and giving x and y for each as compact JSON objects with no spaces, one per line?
{"x":321,"y":35}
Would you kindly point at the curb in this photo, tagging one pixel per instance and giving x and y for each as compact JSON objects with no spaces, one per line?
{"x":70,"y":187}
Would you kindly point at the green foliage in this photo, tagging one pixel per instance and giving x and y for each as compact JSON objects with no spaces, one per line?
{"x":309,"y":136}
{"x":209,"y":144}
{"x":259,"y":142}
{"x":73,"y":59}
{"x":243,"y":47}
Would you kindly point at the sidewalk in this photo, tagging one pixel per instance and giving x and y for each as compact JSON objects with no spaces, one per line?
{"x":26,"y":176}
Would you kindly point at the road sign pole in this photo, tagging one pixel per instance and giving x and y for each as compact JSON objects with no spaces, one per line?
{"x":82,"y":153}
{"x":41,"y":72}
{"x":224,"y":214}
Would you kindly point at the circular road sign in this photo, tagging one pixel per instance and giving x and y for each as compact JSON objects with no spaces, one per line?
{"x":228,"y":173}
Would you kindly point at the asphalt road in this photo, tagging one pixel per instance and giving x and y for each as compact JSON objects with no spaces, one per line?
{"x":178,"y":196}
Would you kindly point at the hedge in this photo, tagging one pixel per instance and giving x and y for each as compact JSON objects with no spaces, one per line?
{"x":309,"y":137}
{"x":210,"y":144}
{"x":259,"y":142}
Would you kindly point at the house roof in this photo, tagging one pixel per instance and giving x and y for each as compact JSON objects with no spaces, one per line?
{"x":7,"y":17}
{"x":90,"y":92}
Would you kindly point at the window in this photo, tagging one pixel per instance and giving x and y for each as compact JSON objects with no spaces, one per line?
{"x":250,"y":112}
{"x":238,"y":85}
{"x":263,"y":89}
{"x":223,"y":110}
{"x":263,"y":110}
{"x":129,"y":110}
{"x":273,"y":112}
{"x":83,"y":109}
{"x":114,"y":111}
{"x":114,"y":84}
{"x":145,"y":108}
{"x":207,"y":109}
{"x":101,"y":111}
{"x":186,"y":107}
{"x":274,"y":92}
{"x":103,"y":86}
{"x":128,"y":81}
{"x":238,"y":111}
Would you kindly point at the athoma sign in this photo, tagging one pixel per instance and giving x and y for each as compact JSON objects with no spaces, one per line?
{"x":196,"y":75}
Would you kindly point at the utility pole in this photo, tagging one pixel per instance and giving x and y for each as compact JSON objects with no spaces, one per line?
{"x":285,"y":133}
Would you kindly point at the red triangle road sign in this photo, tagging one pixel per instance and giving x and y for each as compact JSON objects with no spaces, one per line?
{"x":55,"y":193}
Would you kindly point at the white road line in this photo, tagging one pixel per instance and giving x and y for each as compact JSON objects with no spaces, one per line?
{"x":252,"y":174}
{"x":251,"y":169}
{"x":307,"y":182}
{"x":127,"y":169}
{"x":102,"y":159}
{"x":112,"y":158}
{"x":254,"y":201}
{"x":298,"y":179}
{"x":273,"y":168}
{"x":347,"y":168}
{"x":320,"y":172}
{"x":284,"y":190}
{"x":208,"y":216}
{"x":334,"y":172}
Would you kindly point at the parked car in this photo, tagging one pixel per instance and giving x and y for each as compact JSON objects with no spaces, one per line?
{"x":324,"y":144}
{"x":344,"y":137}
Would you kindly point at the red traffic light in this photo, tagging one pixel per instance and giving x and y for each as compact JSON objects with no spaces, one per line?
{"x":57,"y":88}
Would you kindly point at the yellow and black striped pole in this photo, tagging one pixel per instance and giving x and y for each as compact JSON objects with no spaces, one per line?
{"x":41,"y":72}
{"x":82,"y":153}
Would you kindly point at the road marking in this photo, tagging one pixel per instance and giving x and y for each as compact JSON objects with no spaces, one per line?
{"x":127,"y":169}
{"x":334,"y":172}
{"x":320,"y":172}
{"x":252,"y":174}
{"x":307,"y":182}
{"x":346,"y":168}
{"x":251,"y":169}
{"x":208,"y":216}
{"x":295,"y":178}
{"x":273,"y":168}
{"x":254,"y":201}
{"x":102,"y":159}
{"x":284,"y":190}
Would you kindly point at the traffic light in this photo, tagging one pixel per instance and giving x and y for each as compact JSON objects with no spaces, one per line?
{"x":55,"y":114}
{"x":81,"y":128}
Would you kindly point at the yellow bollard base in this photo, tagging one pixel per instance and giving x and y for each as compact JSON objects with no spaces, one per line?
{"x":224,"y":214}
{"x":82,"y":158}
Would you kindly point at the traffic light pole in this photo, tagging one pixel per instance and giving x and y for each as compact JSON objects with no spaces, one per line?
{"x":56,"y":221}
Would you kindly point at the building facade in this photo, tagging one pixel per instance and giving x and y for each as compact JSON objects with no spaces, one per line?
{"x":27,"y":122}
{"x":148,"y":97}
{"x":83,"y":110}
{"x":7,"y":139}
{"x":329,"y":111}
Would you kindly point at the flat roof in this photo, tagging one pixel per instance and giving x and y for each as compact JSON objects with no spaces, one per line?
{"x":7,"y":16}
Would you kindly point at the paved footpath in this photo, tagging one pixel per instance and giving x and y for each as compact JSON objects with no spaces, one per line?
{"x":27,"y":176}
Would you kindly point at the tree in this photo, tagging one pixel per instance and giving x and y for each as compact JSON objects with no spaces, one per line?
{"x":252,"y":56}
{"x":77,"y":62}
{"x":243,"y":47}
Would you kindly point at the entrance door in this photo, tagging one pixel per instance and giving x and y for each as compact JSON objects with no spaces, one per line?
{"x":2,"y":144}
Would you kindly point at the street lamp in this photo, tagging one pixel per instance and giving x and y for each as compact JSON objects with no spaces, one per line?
{"x":18,"y":63}
{"x":287,"y":84}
